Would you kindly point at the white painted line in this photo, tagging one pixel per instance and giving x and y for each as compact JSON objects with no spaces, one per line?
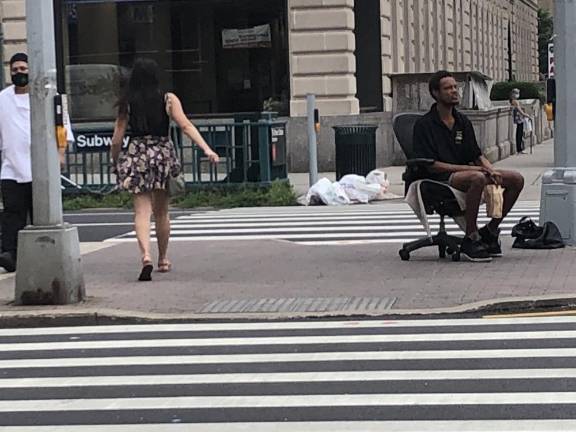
{"x":102,"y":224}
{"x":356,"y":426}
{"x":178,"y":236}
{"x":289,"y":401}
{"x":290,"y":216}
{"x":320,"y":229}
{"x":288,"y":357}
{"x":287,"y":340}
{"x":289,"y":377}
{"x":349,"y":224}
{"x":286,"y":325}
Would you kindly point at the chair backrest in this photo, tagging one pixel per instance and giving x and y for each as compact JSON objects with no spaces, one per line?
{"x":403,"y":126}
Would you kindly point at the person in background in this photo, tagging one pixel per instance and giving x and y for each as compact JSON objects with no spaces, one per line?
{"x":145,"y":166}
{"x":16,"y":171}
{"x":518,"y":115}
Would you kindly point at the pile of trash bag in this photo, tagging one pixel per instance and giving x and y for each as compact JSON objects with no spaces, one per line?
{"x":350,"y":189}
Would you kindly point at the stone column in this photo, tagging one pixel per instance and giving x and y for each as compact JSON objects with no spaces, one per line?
{"x":322,"y":59}
{"x":14,"y":26}
{"x":387,"y":63}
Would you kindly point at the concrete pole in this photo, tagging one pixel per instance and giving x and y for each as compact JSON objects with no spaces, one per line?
{"x":49,"y":268}
{"x":559,"y":184}
{"x":312,"y":140}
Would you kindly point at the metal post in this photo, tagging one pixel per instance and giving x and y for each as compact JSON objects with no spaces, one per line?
{"x":312,"y":139}
{"x":49,"y":266}
{"x":558,"y":202}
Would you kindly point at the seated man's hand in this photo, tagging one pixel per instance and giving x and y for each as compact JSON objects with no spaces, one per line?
{"x":495,"y":176}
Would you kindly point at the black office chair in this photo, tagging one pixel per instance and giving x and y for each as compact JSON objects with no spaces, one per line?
{"x":437,"y":198}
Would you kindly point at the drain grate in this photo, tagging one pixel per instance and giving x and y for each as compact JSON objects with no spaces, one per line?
{"x":302,"y":304}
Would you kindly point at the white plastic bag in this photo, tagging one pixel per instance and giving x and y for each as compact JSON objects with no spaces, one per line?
{"x":380,"y":178}
{"x":358,"y":190}
{"x":527,"y":127}
{"x":327,"y":192}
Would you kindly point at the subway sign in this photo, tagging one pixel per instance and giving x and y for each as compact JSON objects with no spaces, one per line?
{"x":98,"y":141}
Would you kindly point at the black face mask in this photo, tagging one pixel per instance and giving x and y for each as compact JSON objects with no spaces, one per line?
{"x":20,"y":79}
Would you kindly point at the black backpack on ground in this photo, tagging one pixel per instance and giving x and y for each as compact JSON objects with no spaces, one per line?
{"x":528,"y":235}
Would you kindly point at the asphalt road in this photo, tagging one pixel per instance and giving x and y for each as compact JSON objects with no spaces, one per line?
{"x":321,"y":376}
{"x":96,"y":226}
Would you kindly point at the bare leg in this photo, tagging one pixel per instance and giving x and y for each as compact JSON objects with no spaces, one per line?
{"x":161,"y":200}
{"x":142,"y":213}
{"x":473,"y":183}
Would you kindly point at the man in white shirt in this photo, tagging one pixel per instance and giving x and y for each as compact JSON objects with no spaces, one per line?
{"x":16,"y":171}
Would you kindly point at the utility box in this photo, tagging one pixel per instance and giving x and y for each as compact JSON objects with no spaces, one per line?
{"x":559,"y":201}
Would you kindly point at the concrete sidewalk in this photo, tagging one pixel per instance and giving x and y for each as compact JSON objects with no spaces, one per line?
{"x":235,"y":271}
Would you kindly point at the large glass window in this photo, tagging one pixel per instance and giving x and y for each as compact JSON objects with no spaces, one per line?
{"x":219,"y":56}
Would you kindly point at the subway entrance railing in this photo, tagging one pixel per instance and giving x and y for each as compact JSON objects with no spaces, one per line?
{"x":252,"y":149}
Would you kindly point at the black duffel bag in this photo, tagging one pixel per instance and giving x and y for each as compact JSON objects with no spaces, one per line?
{"x":528,"y":235}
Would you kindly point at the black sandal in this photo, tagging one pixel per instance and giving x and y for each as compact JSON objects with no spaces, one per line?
{"x":146,"y":272}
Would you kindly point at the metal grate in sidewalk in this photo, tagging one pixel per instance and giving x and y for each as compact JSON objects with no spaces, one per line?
{"x":302,"y":304}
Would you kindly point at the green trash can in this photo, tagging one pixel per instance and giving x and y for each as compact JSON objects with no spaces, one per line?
{"x":355,"y":149}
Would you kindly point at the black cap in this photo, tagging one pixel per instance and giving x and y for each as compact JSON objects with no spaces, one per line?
{"x":19,"y":57}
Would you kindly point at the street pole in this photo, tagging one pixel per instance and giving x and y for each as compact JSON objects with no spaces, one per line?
{"x":312,"y":140}
{"x":558,"y":202}
{"x":49,"y":269}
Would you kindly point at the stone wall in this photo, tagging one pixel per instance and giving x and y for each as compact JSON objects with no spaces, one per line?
{"x":13,"y":19}
{"x":322,"y":57}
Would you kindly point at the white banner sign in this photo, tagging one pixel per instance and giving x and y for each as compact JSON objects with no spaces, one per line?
{"x":255,"y":37}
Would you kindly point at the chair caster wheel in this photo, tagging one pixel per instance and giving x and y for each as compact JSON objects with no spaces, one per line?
{"x":442,"y":252}
{"x":456,"y":256}
{"x":404,"y":255}
{"x":449,"y":251}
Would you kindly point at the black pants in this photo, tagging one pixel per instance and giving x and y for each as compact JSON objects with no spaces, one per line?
{"x":17,"y":199}
{"x":519,"y":137}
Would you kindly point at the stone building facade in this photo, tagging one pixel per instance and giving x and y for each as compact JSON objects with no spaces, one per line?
{"x":347,"y":52}
{"x":496,"y":37}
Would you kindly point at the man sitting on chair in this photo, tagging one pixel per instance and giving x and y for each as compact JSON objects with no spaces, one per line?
{"x":447,"y":136}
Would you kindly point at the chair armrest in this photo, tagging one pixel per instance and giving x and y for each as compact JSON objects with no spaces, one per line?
{"x":419,"y":162}
{"x":416,"y":169}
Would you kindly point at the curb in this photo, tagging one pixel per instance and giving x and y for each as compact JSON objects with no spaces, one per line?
{"x":63,"y":316}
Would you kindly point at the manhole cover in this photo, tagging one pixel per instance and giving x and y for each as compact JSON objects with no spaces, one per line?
{"x":302,"y":304}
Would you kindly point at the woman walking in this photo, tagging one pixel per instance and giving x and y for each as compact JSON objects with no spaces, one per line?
{"x":518,"y":115}
{"x":146,"y":165}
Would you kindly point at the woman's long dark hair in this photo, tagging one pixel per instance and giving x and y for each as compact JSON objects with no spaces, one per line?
{"x":142,"y":95}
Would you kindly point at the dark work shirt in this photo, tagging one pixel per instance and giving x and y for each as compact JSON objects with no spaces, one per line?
{"x":434,"y":140}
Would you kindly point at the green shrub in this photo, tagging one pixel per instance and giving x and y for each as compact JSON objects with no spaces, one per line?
{"x":277,"y":194}
{"x":83,"y":201}
{"x":528,"y":90}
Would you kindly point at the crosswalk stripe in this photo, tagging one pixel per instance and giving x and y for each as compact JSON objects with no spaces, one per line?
{"x":376,"y":221}
{"x":363,"y":426}
{"x":286,"y":325}
{"x":289,"y":377}
{"x":289,"y":357}
{"x":320,"y":225}
{"x":286,"y":340}
{"x":521,"y":378}
{"x":288,"y":401}
{"x":306,"y":230}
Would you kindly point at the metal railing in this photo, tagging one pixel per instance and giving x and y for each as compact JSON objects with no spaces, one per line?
{"x":250,"y":152}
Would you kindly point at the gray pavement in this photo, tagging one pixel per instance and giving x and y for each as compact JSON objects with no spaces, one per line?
{"x":251,"y":270}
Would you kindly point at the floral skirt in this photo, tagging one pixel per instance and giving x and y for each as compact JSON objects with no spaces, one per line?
{"x":147,"y":164}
